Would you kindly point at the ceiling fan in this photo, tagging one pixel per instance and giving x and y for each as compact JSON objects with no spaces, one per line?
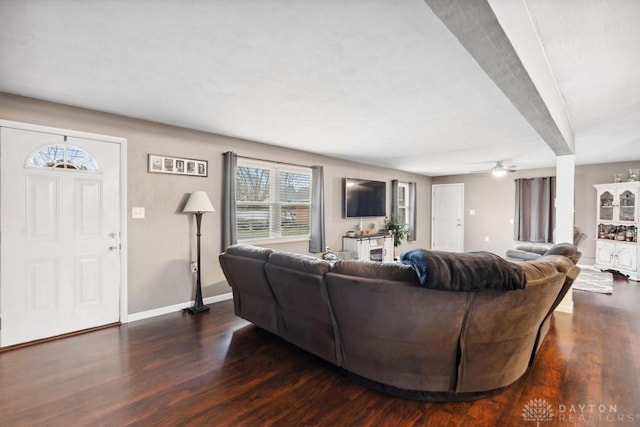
{"x":499,"y":169}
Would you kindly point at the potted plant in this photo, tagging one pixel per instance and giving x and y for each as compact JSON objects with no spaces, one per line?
{"x":397,"y":229}
{"x":371,"y":228}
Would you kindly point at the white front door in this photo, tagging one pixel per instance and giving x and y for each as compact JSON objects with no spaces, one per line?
{"x":447,"y":205}
{"x":60,"y":247}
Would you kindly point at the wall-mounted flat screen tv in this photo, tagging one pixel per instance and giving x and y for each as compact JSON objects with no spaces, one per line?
{"x":364,"y":198}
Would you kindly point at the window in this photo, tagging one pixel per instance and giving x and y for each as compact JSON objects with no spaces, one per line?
{"x":61,"y":156}
{"x":403,"y":203}
{"x":273,"y":201}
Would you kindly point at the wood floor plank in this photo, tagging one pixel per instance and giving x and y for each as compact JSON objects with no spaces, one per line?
{"x":217,"y":369}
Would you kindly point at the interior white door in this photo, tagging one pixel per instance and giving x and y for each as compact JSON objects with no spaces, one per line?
{"x":447,"y":205}
{"x":60,"y":247}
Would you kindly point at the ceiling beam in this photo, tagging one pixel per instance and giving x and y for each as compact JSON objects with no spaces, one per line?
{"x":516,"y":64}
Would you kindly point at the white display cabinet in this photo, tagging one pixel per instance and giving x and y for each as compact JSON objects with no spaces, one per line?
{"x":617,"y":228}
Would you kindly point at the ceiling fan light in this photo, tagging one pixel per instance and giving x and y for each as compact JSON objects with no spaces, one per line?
{"x":498,"y":172}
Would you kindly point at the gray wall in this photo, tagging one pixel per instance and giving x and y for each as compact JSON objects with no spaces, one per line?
{"x":493,"y":199}
{"x":161,"y":245}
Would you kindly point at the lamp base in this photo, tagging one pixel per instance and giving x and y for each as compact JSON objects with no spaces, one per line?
{"x":196,"y":310}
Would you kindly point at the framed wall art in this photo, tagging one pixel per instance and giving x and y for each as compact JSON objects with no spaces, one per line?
{"x":177,"y":165}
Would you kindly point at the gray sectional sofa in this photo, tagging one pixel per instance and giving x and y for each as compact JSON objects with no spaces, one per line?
{"x":389,"y":332}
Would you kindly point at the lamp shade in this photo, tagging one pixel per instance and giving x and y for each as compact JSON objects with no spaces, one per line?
{"x":198,"y":202}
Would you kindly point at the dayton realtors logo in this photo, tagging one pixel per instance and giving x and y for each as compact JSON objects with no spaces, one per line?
{"x":537,"y":410}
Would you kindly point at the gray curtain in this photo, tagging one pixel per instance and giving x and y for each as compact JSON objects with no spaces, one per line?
{"x":535,"y":216}
{"x":229,"y":230}
{"x":394,"y":198}
{"x":412,"y":212}
{"x":317,"y":239}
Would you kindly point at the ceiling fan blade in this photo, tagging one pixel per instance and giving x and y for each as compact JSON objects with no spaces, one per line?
{"x":498,"y":166}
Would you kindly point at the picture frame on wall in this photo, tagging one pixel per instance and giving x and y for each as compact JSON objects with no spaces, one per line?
{"x":158,"y":163}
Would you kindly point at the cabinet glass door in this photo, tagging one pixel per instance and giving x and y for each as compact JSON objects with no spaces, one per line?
{"x":627,"y":206}
{"x":606,"y":206}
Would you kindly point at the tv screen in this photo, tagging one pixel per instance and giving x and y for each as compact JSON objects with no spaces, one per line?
{"x":364,"y":198}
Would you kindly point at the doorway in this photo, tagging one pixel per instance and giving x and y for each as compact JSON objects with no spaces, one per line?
{"x":447,"y":201}
{"x":63,"y":222}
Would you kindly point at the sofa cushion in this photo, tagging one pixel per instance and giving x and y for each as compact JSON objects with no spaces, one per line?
{"x":500,"y":330}
{"x":376,"y":270}
{"x":533,"y":247}
{"x":518,"y":254}
{"x":299,"y":262}
{"x":243,"y":266}
{"x":537,"y":270}
{"x":564,"y":249}
{"x":397,"y":332}
{"x":561,"y":262}
{"x":249,"y":251}
{"x":469,"y":271}
{"x":304,"y":314}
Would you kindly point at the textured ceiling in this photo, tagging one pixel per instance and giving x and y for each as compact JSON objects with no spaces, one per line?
{"x":382,"y":82}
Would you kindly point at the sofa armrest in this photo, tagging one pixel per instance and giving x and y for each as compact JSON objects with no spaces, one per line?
{"x":522,"y":255}
{"x":536,"y":248}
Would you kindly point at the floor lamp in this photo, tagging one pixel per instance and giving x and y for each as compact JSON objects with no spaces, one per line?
{"x":198,"y":204}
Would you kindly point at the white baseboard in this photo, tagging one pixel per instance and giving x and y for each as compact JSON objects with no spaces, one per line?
{"x":566,"y":305}
{"x":176,"y":307}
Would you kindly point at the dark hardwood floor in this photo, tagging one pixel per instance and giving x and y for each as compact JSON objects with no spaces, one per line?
{"x":219,"y":370}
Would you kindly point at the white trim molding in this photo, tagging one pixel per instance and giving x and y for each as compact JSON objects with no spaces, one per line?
{"x":565,"y":188}
{"x":122,"y":142}
{"x":176,"y":307}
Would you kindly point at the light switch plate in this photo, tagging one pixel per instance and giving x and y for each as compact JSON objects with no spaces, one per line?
{"x":137,"y":213}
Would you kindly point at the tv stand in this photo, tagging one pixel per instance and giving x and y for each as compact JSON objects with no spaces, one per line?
{"x":370,"y":247}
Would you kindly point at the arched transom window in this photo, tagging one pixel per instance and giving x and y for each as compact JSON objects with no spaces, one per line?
{"x":62,"y":156}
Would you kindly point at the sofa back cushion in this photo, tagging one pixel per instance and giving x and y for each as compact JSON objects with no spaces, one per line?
{"x":566,"y":266}
{"x":501,"y":329}
{"x":467,"y":271}
{"x":391,"y":271}
{"x":305,"y":318}
{"x":396,"y":332}
{"x":298,"y":262}
{"x":243,"y":266}
{"x":534,"y":248}
{"x":249,"y":251}
{"x":565,"y":249}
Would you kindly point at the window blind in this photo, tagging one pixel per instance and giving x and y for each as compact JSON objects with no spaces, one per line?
{"x":273,"y":200}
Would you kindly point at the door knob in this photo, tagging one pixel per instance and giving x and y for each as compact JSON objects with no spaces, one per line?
{"x":113,"y":248}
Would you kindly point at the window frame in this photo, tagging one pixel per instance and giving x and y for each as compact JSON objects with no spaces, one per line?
{"x":406,"y":205}
{"x":63,"y":164}
{"x":275,"y":206}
